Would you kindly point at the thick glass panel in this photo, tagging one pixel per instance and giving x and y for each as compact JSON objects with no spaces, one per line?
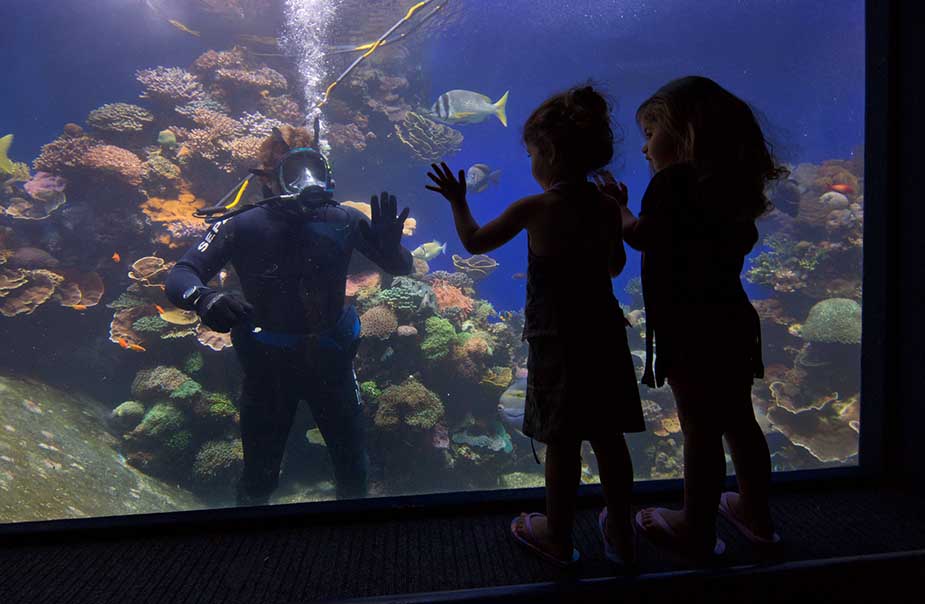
{"x":121,"y":120}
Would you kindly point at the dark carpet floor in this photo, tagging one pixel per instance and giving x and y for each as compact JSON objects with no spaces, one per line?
{"x":435,"y":553}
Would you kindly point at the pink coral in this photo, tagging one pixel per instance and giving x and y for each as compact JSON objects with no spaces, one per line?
{"x":451,"y":296}
{"x":283,"y":108}
{"x":117,"y":162}
{"x":347,"y":137}
{"x":63,"y":154}
{"x":43,"y":184}
{"x":251,"y":79}
{"x":211,"y":60}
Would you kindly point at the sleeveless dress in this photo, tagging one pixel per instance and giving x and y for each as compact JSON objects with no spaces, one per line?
{"x":581,"y":383}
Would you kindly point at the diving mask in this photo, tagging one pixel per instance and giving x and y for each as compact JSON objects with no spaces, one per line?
{"x":305,"y":173}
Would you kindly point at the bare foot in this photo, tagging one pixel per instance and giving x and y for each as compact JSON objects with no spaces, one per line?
{"x":674,"y":519}
{"x":762,"y":527}
{"x":622,"y":536}
{"x":540,"y":537}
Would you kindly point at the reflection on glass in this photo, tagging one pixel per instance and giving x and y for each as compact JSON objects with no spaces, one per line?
{"x":116,"y":401}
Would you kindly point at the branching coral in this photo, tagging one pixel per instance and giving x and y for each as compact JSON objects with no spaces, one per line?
{"x":427,"y":140}
{"x":172,"y":85}
{"x":450,"y":296}
{"x":408,"y":404}
{"x":348,"y":137}
{"x":115,"y":161}
{"x":212,"y":60}
{"x":408,"y":298}
{"x":262,"y":78}
{"x":283,"y":108}
{"x":440,"y":336}
{"x":64,"y":154}
{"x":120,"y":117}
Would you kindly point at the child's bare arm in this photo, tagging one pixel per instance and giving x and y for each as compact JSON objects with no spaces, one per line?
{"x":617,"y":258}
{"x":479,"y":240}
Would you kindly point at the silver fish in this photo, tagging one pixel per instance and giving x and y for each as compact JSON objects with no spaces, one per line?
{"x":467,"y":107}
{"x":511,"y":405}
{"x":480,"y":176}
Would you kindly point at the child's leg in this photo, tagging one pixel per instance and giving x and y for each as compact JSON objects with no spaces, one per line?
{"x":704,"y":459}
{"x":752,"y":460}
{"x":616,"y":471}
{"x":563,"y":475}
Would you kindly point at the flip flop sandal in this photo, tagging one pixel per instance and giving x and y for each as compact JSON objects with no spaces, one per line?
{"x":531,"y":545}
{"x":718,"y":548}
{"x":610,"y":552}
{"x":726,"y":512}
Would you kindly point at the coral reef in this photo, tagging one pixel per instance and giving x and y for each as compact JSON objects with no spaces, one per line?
{"x":408,"y":404}
{"x":836,"y":320}
{"x":378,"y":322}
{"x":171,"y":85}
{"x":476,"y":267}
{"x":427,"y":140}
{"x":408,"y":298}
{"x":120,"y":118}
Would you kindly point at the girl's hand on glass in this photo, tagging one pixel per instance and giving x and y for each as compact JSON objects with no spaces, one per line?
{"x":454,"y":190}
{"x":610,"y":186}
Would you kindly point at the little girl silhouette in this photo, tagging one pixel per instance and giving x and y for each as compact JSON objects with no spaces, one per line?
{"x":581,"y":383}
{"x":695,"y":227}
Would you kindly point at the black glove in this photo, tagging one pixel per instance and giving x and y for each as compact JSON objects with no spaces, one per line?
{"x":385,"y":229}
{"x":220,"y":311}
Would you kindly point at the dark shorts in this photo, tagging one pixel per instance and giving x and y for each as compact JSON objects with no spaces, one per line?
{"x":581,"y":388}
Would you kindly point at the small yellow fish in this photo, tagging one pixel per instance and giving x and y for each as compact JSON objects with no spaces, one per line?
{"x":159,"y":309}
{"x":183,"y":28}
{"x":264,"y":93}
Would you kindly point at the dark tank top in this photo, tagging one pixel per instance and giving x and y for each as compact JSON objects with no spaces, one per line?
{"x":571,"y":293}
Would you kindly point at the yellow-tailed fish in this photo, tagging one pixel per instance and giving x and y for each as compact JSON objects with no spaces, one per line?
{"x":183,"y":27}
{"x":429,"y":250}
{"x":467,"y":107}
{"x":6,"y":166}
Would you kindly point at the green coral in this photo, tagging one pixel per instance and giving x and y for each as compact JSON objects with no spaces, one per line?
{"x":150,"y":324}
{"x":193,"y":363}
{"x":158,"y":382}
{"x":521,"y":480}
{"x":179,"y":442}
{"x":370,"y":391}
{"x":218,"y":461}
{"x":409,"y":403}
{"x":187,"y":390}
{"x":128,"y":415}
{"x":439,"y":339}
{"x":483,"y":311}
{"x":408,"y":298}
{"x":160,"y":421}
{"x":500,"y":440}
{"x":836,"y":320}
{"x":125,"y":300}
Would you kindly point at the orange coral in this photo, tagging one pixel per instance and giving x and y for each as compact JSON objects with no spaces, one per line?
{"x":363,"y":283}
{"x":409,"y":226}
{"x":176,"y":215}
{"x":451,"y":296}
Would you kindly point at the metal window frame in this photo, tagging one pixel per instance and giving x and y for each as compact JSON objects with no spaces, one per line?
{"x":878,"y":358}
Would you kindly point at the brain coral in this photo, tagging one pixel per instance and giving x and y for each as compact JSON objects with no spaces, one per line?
{"x":408,"y":403}
{"x":836,"y":320}
{"x":378,"y":322}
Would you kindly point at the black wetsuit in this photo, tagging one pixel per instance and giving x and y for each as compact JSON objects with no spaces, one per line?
{"x":293,"y":270}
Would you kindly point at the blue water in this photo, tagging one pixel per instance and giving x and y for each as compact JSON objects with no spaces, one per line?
{"x":799,"y":64}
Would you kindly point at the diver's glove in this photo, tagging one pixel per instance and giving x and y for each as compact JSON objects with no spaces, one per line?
{"x":385,"y":230}
{"x":220,"y":311}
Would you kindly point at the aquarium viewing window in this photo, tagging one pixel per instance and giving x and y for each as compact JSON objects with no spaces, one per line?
{"x":127,"y":121}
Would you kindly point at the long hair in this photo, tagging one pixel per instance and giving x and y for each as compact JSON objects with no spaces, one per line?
{"x":718,"y":133}
{"x":576,"y":126}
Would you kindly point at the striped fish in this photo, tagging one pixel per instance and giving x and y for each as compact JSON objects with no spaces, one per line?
{"x":467,"y":107}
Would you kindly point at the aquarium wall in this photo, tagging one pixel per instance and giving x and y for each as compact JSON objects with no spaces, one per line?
{"x":122,"y":120}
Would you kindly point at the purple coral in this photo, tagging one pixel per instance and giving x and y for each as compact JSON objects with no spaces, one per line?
{"x":44,"y":185}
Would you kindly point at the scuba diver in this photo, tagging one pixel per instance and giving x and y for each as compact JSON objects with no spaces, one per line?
{"x":291,"y":332}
